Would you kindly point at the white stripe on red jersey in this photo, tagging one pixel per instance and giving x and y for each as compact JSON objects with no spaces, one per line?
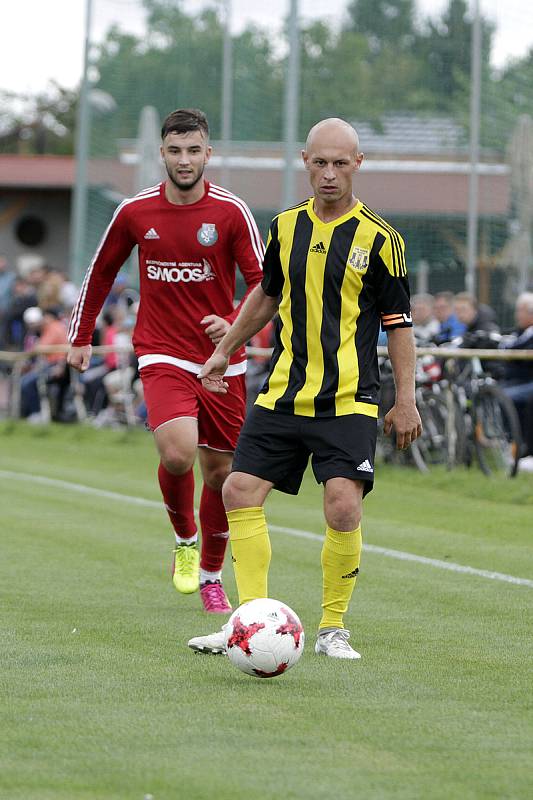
{"x":78,"y":308}
{"x":255,"y":236}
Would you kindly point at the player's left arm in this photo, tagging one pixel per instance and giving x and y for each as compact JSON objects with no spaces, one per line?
{"x":393,"y":302}
{"x":403,"y":416}
{"x":248,"y":252}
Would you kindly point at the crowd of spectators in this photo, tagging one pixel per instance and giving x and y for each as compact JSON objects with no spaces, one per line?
{"x":460,"y":320}
{"x":35,"y":307}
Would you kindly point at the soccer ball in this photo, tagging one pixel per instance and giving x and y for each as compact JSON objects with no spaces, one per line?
{"x":264,"y":638}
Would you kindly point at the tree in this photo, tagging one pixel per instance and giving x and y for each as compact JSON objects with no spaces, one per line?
{"x":384,"y":23}
{"x":445,"y":47}
{"x":38,"y":124}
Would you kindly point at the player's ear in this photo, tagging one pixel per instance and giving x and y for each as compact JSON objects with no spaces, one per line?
{"x":208,"y":151}
{"x":305,"y":159}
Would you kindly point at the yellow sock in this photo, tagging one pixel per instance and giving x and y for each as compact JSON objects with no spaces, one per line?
{"x":250,"y":547}
{"x":341,"y":554}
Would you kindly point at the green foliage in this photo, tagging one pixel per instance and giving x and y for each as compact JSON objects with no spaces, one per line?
{"x":383,"y":58}
{"x":42,"y":123}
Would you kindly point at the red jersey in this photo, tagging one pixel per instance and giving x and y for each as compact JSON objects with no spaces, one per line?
{"x":187,"y":260}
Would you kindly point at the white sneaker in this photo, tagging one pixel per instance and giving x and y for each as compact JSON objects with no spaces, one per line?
{"x":334,"y":643}
{"x":213,"y":643}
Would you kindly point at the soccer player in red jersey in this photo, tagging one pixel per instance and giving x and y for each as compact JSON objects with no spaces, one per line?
{"x":191,"y":235}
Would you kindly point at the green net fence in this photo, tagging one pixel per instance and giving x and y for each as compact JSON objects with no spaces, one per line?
{"x":400,"y":71}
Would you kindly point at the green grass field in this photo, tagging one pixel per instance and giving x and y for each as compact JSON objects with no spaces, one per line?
{"x":101,"y":698}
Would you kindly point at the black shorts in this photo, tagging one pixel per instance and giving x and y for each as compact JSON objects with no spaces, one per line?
{"x":276,"y":447}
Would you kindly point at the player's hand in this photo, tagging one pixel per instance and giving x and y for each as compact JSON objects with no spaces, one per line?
{"x":405,"y":420}
{"x":215,"y":327}
{"x":212,"y":374}
{"x":79,"y":357}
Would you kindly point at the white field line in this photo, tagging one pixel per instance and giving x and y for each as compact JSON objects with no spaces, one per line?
{"x":400,"y":555}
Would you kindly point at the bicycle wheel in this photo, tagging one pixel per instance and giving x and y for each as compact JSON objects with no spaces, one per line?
{"x":455,"y":428}
{"x":432,"y":445}
{"x":497,"y":436}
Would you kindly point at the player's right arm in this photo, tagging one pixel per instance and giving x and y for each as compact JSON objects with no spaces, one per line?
{"x":257,"y":310}
{"x":113,"y":250}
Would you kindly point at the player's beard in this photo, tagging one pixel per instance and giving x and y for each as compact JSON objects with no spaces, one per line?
{"x":185,"y":187}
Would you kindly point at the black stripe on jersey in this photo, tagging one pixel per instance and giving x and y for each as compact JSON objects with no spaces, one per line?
{"x":330,"y":336}
{"x":401,"y":254}
{"x":278,"y":350}
{"x":297,"y":271}
{"x":394,"y":234}
{"x":366,"y":336}
{"x":379,"y":241}
{"x":394,"y":245}
{"x":397,"y":255}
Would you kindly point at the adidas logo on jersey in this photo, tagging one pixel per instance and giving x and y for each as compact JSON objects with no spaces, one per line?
{"x":366,"y":466}
{"x":318,"y":248}
{"x":151,"y":234}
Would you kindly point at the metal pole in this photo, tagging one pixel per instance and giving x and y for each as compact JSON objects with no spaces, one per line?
{"x":227,"y":95}
{"x":291,"y":106}
{"x":79,"y":194}
{"x":473,"y":183}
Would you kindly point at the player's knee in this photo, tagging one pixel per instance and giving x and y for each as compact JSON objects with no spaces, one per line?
{"x":342,"y":516}
{"x":175,"y":462}
{"x":214,"y":478}
{"x":242,"y":491}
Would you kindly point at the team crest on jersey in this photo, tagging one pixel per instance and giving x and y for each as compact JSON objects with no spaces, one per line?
{"x":207,"y":234}
{"x":359,"y":258}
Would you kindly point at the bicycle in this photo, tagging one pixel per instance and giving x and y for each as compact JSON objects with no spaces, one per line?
{"x":484,"y":419}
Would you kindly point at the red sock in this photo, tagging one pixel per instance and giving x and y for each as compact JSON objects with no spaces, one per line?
{"x":178,"y":494}
{"x":214,"y":524}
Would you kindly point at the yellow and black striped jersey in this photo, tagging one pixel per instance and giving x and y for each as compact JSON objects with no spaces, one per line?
{"x":336,"y":282}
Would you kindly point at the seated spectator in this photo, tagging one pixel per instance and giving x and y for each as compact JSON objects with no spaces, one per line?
{"x":48,"y":368}
{"x":257,"y":364}
{"x":518,"y":377}
{"x":7,"y":279}
{"x":450,"y":327}
{"x":425,"y":324}
{"x":478,"y":319}
{"x":14,"y":330}
{"x":92,"y":380}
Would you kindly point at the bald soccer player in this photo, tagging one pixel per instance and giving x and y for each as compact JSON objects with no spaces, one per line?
{"x":334,"y":271}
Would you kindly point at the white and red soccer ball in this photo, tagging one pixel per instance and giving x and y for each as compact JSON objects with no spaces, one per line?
{"x":264,"y":638}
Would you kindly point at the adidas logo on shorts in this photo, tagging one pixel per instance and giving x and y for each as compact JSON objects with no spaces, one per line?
{"x":365,"y":466}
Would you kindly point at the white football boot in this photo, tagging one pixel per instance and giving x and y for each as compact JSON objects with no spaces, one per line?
{"x":213,"y":643}
{"x":333,"y":642}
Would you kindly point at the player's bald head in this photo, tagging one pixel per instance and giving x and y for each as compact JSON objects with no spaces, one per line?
{"x":332,"y":132}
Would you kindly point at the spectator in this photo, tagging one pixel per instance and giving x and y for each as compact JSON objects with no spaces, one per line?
{"x":49,"y":367}
{"x":7,"y":279}
{"x":425,"y":324}
{"x":94,"y":391}
{"x":450,"y":327}
{"x":477,"y":318}
{"x":14,"y":330}
{"x":258,"y":366}
{"x":518,"y":378}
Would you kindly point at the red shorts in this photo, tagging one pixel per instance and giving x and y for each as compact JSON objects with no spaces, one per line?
{"x":171,"y":392}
